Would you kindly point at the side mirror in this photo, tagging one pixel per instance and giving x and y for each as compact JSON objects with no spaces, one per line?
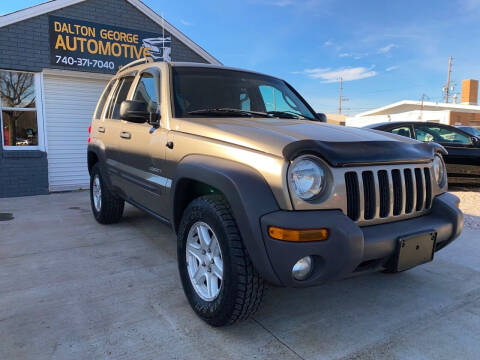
{"x":322,"y":117}
{"x":475,"y":141}
{"x":134,"y":111}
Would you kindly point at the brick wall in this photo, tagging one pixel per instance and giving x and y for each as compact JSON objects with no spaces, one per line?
{"x":23,"y":173}
{"x":25,"y":46}
{"x":464,"y":118}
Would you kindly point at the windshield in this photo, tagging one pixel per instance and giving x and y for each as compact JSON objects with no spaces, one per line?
{"x":203,"y":91}
{"x":471,"y":130}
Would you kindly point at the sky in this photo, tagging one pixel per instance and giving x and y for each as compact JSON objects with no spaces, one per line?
{"x":385,"y":51}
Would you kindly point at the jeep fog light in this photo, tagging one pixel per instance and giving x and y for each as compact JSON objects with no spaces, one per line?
{"x":303,"y":268}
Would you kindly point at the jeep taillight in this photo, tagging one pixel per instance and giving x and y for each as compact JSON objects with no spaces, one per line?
{"x":89,"y":132}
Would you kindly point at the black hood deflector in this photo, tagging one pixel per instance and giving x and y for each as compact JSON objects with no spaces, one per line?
{"x":340,"y":154}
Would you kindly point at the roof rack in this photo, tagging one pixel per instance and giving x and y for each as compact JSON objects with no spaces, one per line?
{"x":134,"y":63}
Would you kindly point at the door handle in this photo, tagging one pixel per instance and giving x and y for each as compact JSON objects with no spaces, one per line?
{"x":169,"y":144}
{"x":101,"y":129}
{"x":125,"y":135}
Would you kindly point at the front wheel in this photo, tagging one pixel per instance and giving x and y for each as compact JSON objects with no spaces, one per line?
{"x":217,"y":274}
{"x":107,"y":208}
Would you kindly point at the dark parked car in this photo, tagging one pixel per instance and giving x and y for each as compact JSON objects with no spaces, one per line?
{"x":463,"y":159}
{"x":472,"y":130}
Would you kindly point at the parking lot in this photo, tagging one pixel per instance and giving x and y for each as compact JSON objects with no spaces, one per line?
{"x":73,"y":289}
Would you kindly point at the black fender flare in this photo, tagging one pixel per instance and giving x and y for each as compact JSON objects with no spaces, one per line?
{"x":101,"y":160}
{"x":248,"y":194}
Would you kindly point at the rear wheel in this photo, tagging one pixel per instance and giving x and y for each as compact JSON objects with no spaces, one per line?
{"x":107,"y":208}
{"x":217,"y":274}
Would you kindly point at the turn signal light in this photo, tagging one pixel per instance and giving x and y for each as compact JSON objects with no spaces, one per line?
{"x":90,"y":129}
{"x":298,"y":235}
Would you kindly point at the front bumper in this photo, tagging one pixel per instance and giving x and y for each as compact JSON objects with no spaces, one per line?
{"x":350,"y":248}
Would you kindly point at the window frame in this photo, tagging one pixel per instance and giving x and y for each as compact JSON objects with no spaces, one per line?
{"x":38,"y":86}
{"x":105,"y":94}
{"x":155,"y":73}
{"x":112,"y":98}
{"x":157,"y":76}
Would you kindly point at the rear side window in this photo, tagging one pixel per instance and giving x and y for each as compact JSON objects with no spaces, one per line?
{"x":103,"y":99}
{"x":120,"y":95}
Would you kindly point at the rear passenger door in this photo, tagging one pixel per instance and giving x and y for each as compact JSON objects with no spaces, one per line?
{"x":112,"y":128}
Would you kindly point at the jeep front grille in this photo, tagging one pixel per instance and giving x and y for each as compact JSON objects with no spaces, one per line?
{"x":384,"y":194}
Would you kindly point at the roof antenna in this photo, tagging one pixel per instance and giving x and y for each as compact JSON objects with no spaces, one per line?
{"x":163,"y":37}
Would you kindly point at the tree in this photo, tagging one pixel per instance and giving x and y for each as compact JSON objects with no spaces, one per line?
{"x":16,"y":91}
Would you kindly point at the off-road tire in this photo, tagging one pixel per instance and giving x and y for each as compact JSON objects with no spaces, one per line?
{"x":112,"y":206}
{"x":242,"y":286}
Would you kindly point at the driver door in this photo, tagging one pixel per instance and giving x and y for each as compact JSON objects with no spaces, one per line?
{"x":142,"y":148}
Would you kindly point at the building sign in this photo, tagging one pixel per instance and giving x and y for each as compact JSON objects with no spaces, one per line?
{"x":90,"y":46}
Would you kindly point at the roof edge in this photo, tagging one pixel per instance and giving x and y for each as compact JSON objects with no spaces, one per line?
{"x":445,"y":106}
{"x":373,"y":111}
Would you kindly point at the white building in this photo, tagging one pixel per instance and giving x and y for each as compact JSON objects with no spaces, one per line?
{"x":466,"y":113}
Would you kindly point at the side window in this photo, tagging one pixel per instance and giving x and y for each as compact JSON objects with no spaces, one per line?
{"x":120,"y":95}
{"x":147,"y":91}
{"x":441,"y":135}
{"x":423,"y":135}
{"x":103,"y":99}
{"x":403,"y":131}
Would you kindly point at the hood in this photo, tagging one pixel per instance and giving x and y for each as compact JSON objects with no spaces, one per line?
{"x":338,"y":145}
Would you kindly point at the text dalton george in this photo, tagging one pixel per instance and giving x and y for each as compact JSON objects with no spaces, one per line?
{"x":82,"y":38}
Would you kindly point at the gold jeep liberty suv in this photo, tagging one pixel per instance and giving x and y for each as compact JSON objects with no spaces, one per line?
{"x":257,"y":187}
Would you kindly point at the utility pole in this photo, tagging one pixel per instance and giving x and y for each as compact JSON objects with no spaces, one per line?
{"x":420,"y":117}
{"x":446,"y":89}
{"x":340,"y":97}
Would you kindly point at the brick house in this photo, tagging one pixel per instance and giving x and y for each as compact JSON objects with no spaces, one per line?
{"x":55,"y":60}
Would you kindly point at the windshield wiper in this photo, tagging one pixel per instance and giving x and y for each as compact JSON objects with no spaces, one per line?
{"x":227,"y":111}
{"x":289,"y":115}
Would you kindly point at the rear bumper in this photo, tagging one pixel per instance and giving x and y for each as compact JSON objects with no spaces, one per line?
{"x":351,"y":248}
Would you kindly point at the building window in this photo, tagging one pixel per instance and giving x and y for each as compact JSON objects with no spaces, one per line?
{"x":18,"y":109}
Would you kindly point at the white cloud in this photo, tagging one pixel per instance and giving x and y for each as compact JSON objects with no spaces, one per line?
{"x":328,"y":43}
{"x":391,"y":68}
{"x":185,"y":22}
{"x":386,"y":49}
{"x":347,"y":74}
{"x":345,"y":55}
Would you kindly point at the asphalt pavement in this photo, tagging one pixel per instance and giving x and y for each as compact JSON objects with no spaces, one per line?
{"x":73,"y":289}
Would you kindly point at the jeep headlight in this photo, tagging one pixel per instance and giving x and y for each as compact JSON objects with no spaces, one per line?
{"x":306,"y":177}
{"x":439,"y":170}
